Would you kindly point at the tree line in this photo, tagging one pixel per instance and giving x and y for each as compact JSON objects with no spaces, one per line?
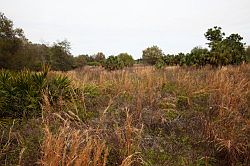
{"x":222,"y":51}
{"x":17,"y":52}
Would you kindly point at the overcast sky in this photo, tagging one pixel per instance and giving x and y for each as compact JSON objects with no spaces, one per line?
{"x":115,"y":26}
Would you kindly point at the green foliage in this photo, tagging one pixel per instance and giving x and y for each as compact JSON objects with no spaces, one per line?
{"x":168,"y":88}
{"x":11,"y":40}
{"x":127,"y":59}
{"x":171,"y":114}
{"x":94,"y":60}
{"x":61,"y":59}
{"x":21,"y":92}
{"x":58,"y":86}
{"x":139,"y":61}
{"x":152,"y":54}
{"x":99,"y":58}
{"x":81,"y":61}
{"x":113,"y":63}
{"x":248,"y":54}
{"x":225,"y":51}
{"x":118,"y":62}
{"x":215,"y":36}
{"x":169,"y":59}
{"x":91,"y":91}
{"x":156,"y":157}
{"x":30,"y":56}
{"x":16,"y":53}
{"x":94,"y":63}
{"x":234,"y":49}
{"x":180,"y":59}
{"x":198,"y":57}
{"x":92,"y":100}
{"x":160,"y":64}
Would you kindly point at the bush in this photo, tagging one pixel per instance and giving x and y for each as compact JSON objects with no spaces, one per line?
{"x":113,"y":63}
{"x":22,"y":92}
{"x":127,"y":59}
{"x":94,"y":64}
{"x":151,"y":55}
{"x":160,"y":64}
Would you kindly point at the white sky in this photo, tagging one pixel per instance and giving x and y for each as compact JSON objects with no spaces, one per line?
{"x":115,"y":26}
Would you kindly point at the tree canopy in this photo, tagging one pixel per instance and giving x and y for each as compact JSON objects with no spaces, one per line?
{"x":127,"y":59}
{"x":224,"y":51}
{"x":152,"y":54}
{"x":16,"y":52}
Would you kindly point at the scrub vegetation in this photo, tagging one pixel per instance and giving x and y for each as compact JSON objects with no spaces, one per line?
{"x":186,"y":109}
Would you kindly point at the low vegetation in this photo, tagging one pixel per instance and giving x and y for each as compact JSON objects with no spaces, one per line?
{"x":137,"y":116}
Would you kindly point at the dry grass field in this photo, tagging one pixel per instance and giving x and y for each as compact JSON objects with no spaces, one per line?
{"x":137,"y":116}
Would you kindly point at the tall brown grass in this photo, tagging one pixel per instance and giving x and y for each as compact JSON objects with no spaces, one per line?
{"x":224,"y":123}
{"x":72,"y":142}
{"x":144,"y":116}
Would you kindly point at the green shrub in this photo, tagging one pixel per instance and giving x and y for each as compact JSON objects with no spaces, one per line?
{"x":58,"y":86}
{"x":127,"y":59}
{"x":91,"y":95}
{"x":160,"y":64}
{"x":113,"y":63}
{"x":21,"y":93}
{"x":94,"y":63}
{"x":151,"y":55}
